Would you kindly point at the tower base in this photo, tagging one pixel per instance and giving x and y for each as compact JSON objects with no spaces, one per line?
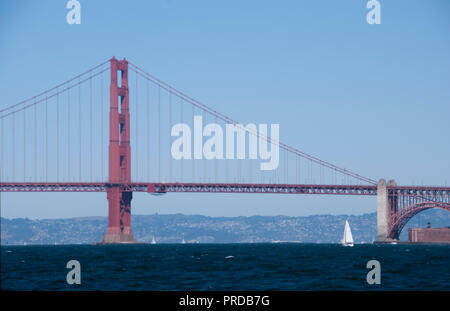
{"x":118,"y":238}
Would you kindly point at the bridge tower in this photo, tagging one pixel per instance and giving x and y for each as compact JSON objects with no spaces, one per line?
{"x":119,"y":201}
{"x":386,"y":206}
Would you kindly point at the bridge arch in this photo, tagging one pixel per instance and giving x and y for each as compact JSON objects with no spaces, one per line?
{"x":398,"y":220}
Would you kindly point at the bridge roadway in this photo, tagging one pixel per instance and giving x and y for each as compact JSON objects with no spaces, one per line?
{"x":161,"y":188}
{"x":190,"y":187}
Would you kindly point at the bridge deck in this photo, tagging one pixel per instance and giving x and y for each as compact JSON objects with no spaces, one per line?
{"x":191,"y":187}
{"x":219,"y":188}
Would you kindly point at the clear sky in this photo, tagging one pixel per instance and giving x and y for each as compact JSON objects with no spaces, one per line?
{"x":371,"y":98}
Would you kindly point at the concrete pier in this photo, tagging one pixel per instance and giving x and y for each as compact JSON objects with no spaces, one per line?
{"x":382,"y":212}
{"x":386,"y":206}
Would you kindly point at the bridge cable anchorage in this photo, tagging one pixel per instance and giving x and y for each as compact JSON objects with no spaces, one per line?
{"x":227,"y":119}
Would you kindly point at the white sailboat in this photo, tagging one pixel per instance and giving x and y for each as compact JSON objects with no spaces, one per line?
{"x":347,"y":239}
{"x":153,"y":240}
{"x":183,"y":241}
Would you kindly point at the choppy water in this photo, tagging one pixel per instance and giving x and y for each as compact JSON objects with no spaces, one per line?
{"x":226,"y":267}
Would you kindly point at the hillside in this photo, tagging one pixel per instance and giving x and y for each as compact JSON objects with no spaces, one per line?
{"x":172,"y":228}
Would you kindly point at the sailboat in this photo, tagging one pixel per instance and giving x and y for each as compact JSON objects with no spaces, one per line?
{"x":183,"y":241}
{"x":153,"y":240}
{"x":347,"y":239}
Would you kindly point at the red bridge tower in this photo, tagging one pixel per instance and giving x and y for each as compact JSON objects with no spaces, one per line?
{"x":119,"y":201}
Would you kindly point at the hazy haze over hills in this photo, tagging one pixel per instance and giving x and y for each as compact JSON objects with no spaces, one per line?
{"x":173,"y":228}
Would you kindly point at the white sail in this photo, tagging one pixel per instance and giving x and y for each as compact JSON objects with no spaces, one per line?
{"x":347,"y":240}
{"x":153,"y":240}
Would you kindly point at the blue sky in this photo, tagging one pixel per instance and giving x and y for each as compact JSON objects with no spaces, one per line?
{"x":371,"y":98}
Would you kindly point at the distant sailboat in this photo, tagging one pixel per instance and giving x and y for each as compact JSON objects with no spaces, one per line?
{"x":347,"y":239}
{"x":183,"y":241}
{"x":153,"y":240}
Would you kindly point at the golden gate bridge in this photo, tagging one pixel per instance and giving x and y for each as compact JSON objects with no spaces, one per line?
{"x":56,"y":140}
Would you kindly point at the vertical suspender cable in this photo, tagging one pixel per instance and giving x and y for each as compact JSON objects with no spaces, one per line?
{"x":159,"y":133}
{"x":239,"y":175}
{"x":68,"y":135}
{"x":57,"y":136}
{"x":1,"y":149}
{"x":203,"y":160}
{"x":46,"y":140}
{"x":169,"y":132}
{"x":148,"y":131}
{"x":287,"y":167}
{"x":216,"y":162}
{"x":181,"y":115}
{"x":193,"y":159}
{"x":137,"y":129}
{"x":14,"y":146}
{"x":24,"y":147}
{"x":35,"y":143}
{"x":226,"y":166}
{"x":321,"y":172}
{"x":249,"y":178}
{"x":79,"y":129}
{"x":90,"y":121}
{"x":102,"y":159}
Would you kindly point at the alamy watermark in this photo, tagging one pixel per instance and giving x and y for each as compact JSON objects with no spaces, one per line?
{"x":213,"y":148}
{"x":74,"y":275}
{"x":74,"y":15}
{"x":374,"y":275}
{"x":374,"y":15}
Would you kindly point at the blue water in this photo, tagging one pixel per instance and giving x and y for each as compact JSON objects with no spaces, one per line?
{"x":226,"y":267}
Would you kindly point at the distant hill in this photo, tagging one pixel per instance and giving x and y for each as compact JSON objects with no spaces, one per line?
{"x":172,"y":228}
